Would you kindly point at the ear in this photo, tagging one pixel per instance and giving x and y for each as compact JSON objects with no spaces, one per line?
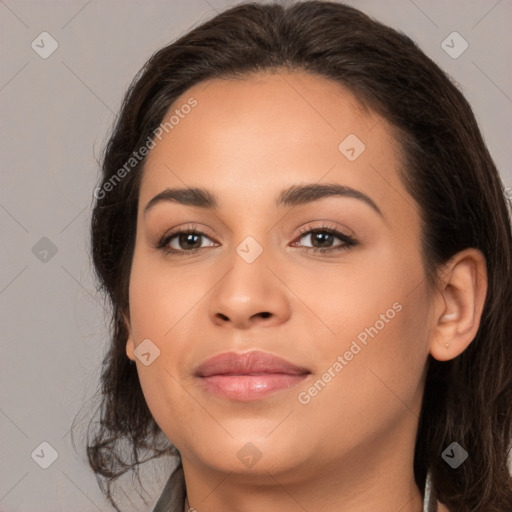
{"x":459,"y":304}
{"x":130,"y":344}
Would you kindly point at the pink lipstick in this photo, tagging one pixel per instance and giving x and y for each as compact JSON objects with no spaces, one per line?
{"x":248,"y":376}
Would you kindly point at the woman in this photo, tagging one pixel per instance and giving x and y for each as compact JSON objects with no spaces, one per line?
{"x":307,"y":248}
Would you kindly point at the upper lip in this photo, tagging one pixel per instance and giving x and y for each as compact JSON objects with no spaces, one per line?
{"x":255,"y":362}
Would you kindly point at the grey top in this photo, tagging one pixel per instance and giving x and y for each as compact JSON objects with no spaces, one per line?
{"x":172,"y":498}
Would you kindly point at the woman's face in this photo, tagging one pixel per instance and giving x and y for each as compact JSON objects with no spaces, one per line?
{"x":283,"y":155}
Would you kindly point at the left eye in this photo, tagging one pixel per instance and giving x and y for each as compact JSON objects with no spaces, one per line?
{"x":322,"y":239}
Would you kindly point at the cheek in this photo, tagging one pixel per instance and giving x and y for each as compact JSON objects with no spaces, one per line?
{"x":159,"y":303}
{"x":377,"y":320}
{"x":161,"y":297}
{"x":379,"y":376}
{"x":349,"y":298}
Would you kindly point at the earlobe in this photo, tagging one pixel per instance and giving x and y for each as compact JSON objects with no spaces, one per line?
{"x":130,"y":345}
{"x":461,"y":301}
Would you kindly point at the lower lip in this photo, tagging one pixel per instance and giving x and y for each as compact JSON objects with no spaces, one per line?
{"x":250,"y":387}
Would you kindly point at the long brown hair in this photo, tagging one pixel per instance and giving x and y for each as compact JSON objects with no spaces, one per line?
{"x":446,"y":168}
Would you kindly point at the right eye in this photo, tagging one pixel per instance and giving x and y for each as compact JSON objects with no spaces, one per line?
{"x":183,"y":242}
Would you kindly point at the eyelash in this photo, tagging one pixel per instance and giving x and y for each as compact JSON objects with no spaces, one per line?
{"x":347,"y":240}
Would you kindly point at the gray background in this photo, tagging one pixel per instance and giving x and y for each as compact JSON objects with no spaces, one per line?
{"x":55,"y":115}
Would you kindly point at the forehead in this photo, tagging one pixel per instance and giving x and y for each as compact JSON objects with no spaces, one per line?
{"x":245,"y":137}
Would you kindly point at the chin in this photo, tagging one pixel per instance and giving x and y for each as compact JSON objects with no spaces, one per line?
{"x":253,"y":456}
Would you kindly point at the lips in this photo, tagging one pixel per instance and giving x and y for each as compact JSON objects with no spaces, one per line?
{"x":254,"y":362}
{"x":248,"y":376}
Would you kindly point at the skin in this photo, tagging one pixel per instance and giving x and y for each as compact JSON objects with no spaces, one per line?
{"x":351,"y":446}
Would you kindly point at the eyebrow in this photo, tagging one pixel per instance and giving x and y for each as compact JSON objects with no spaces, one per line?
{"x":293,"y":196}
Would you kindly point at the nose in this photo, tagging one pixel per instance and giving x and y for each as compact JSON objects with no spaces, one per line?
{"x":249,"y":295}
